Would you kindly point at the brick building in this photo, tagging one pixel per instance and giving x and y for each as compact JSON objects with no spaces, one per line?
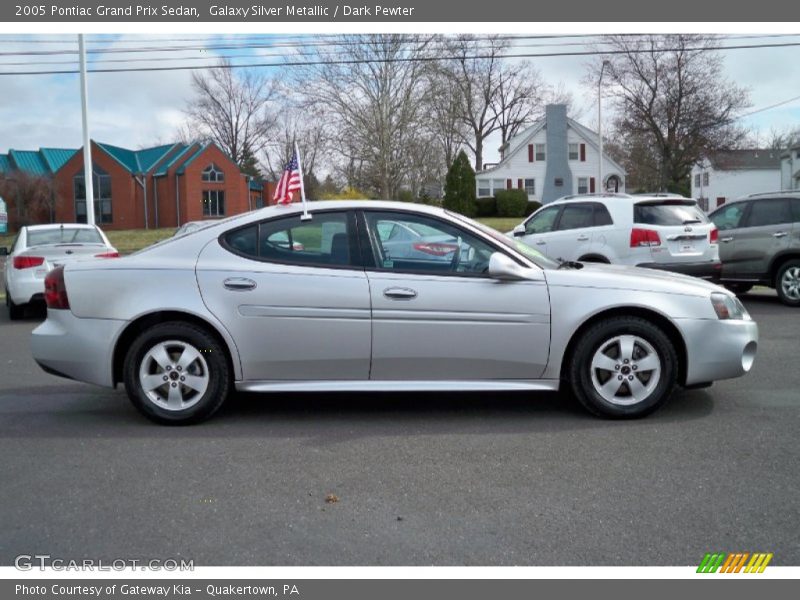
{"x":163,"y":186}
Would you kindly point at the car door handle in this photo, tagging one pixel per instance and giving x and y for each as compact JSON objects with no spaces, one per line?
{"x":400,"y":293}
{"x":725,"y":240}
{"x":583,"y":238}
{"x":239,"y":284}
{"x":780,"y":234}
{"x":540,"y":243}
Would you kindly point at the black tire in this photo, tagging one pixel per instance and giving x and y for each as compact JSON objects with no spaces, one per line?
{"x":212,"y":367}
{"x":739,"y":288}
{"x":789,"y":268}
{"x":593,"y":258}
{"x":581,"y":373}
{"x":15,"y":311}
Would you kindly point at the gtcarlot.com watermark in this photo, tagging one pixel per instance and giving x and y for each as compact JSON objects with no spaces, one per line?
{"x":42,"y":562}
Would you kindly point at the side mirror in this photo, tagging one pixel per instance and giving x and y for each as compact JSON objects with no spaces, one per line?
{"x":3,"y":251}
{"x":501,"y":267}
{"x":519,"y":230}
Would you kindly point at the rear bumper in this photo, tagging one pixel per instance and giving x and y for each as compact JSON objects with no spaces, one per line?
{"x":80,"y":349}
{"x":718,"y":349}
{"x":26,"y":288}
{"x":704,"y":270}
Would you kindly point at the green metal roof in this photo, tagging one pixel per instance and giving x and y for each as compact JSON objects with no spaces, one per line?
{"x":162,"y":170}
{"x":148,"y":157}
{"x":199,"y":151}
{"x":127,"y":158}
{"x":29,"y":161}
{"x":55,"y":158}
{"x":47,"y":161}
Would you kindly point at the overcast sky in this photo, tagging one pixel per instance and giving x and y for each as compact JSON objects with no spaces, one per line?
{"x":145,"y":109}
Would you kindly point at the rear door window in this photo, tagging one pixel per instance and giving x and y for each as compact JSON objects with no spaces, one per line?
{"x":668,"y":213}
{"x":576,"y":216}
{"x":771,"y":211}
{"x":601,"y":215}
{"x":328,"y":239}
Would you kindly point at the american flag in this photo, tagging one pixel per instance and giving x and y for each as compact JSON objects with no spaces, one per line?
{"x":289,"y":183}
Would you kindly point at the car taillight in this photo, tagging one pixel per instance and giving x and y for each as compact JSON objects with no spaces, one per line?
{"x":107,"y":255}
{"x":26,"y":262}
{"x":435,"y":248}
{"x":713,"y":236}
{"x":644,"y":237}
{"x":55,"y":291}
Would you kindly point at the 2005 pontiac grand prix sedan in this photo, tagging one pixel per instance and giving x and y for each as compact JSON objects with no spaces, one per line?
{"x":270,"y":301}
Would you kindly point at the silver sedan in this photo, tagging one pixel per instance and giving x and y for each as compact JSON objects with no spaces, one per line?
{"x":272,"y":301}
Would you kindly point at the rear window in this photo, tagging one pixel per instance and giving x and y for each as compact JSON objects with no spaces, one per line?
{"x":64,"y":235}
{"x":668,"y":213}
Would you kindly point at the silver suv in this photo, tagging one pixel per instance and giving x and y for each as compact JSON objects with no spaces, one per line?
{"x":759,"y":239}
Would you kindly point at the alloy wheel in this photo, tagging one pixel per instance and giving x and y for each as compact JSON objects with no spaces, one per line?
{"x":174,"y":375}
{"x":625,"y":370}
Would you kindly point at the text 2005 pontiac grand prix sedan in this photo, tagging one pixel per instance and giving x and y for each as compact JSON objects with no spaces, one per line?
{"x":381,"y":296}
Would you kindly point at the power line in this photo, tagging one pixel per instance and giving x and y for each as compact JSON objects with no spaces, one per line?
{"x":403,"y":59}
{"x":766,"y":108}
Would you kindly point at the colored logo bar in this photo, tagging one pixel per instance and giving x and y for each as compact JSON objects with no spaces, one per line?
{"x":736,"y":562}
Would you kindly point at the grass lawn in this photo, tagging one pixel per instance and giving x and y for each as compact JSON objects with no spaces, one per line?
{"x":502,"y":224}
{"x":130,"y":240}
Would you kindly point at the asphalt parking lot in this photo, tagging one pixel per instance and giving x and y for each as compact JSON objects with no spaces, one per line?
{"x":421,"y":479}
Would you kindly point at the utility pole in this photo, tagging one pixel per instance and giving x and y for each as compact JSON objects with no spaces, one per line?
{"x":88,"y":176}
{"x":600,"y":186}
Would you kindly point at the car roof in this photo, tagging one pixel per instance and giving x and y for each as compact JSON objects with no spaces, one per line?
{"x":622,"y":198}
{"x":779,"y":194}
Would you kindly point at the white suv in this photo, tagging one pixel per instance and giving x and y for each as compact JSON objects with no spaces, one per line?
{"x":658,"y":231}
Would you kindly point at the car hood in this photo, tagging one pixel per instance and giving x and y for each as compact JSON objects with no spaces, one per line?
{"x":597,"y":275}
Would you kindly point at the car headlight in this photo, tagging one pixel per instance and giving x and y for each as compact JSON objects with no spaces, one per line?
{"x":728,"y":307}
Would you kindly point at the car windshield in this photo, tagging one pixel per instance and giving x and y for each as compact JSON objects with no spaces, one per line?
{"x":63,"y":235}
{"x":668,"y":212}
{"x":516,"y":245}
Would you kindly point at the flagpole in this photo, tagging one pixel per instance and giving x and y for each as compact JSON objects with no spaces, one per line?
{"x":305,"y":216}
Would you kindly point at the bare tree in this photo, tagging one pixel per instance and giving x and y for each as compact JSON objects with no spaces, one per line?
{"x":672,"y":98}
{"x":373,"y":100}
{"x":495,"y":95}
{"x":32,"y":196}
{"x":306,"y":126}
{"x":232,"y":108}
{"x":780,"y":139}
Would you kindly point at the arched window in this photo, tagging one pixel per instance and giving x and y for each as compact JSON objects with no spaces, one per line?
{"x":213,"y":173}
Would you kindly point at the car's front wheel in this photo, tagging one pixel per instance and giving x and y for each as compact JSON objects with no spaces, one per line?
{"x":787,"y":283}
{"x":176,"y":373}
{"x":623,"y":367}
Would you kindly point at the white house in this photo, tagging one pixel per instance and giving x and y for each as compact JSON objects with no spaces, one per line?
{"x":735,"y":173}
{"x":790,"y":169}
{"x":554,"y":157}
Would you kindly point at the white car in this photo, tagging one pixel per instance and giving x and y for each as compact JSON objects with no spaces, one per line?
{"x":39,"y":248}
{"x":658,"y":231}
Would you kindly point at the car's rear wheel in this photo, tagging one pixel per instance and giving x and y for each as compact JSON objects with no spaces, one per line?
{"x":176,"y":373}
{"x":624,"y":367}
{"x":787,"y":283}
{"x":15,"y":311}
{"x":739,"y":288}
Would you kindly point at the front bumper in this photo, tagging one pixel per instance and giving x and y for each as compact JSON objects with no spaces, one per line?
{"x":80,"y":349}
{"x":718,"y":349}
{"x":704,"y":270}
